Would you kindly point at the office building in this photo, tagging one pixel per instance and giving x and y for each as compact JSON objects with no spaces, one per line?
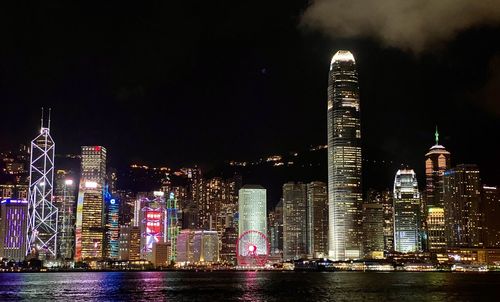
{"x":13,"y":227}
{"x":294,"y":221}
{"x":373,"y":230}
{"x":462,"y":206}
{"x":252,"y":211}
{"x":344,"y":158}
{"x":317,"y":220}
{"x":491,"y":209}
{"x":407,"y":220}
{"x":90,"y":214}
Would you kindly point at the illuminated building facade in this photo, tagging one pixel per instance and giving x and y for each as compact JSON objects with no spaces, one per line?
{"x":437,"y":161}
{"x":384,"y":198}
{"x":228,"y":245}
{"x":491,"y":206}
{"x":42,"y":212}
{"x":407,"y":232}
{"x":462,"y":206}
{"x":90,"y":214}
{"x":344,"y":158}
{"x":206,"y":246}
{"x":317,"y":219}
{"x":130,"y":243}
{"x":112,"y":245}
{"x":276,"y":229}
{"x":252,"y":211}
{"x":294,"y":221}
{"x":373,"y":230}
{"x":436,"y":235}
{"x":153,"y":224}
{"x":197,"y":247}
{"x":13,"y":219}
{"x":65,"y":199}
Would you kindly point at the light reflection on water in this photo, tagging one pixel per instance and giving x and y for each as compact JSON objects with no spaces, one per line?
{"x":247,"y":286}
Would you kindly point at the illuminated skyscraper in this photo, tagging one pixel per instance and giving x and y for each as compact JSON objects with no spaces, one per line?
{"x":491,"y":205}
{"x":462,"y":206}
{"x":437,"y":160}
{"x":42,"y":212}
{"x":90,"y":214}
{"x":344,"y":158}
{"x":252,"y":214}
{"x":13,"y":218}
{"x":407,"y":237}
{"x":317,"y":219}
{"x":294,"y":221}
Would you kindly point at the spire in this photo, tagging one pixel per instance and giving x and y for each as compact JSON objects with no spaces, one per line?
{"x":436,"y":134}
{"x":48,"y":125}
{"x":41,"y":120}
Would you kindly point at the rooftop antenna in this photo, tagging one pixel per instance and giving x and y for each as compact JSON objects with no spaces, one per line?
{"x":436,"y":134}
{"x":41,"y":120}
{"x":48,"y":126}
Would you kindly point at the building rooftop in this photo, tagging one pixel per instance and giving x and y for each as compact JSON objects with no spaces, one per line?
{"x":253,"y":187}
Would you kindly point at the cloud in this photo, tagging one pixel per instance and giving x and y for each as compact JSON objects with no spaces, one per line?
{"x":414,"y":25}
{"x":489,"y":95}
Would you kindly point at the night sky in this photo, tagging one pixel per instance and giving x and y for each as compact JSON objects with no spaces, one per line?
{"x":184,"y":82}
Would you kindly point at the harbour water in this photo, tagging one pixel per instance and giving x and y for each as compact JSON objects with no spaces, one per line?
{"x":249,"y":286}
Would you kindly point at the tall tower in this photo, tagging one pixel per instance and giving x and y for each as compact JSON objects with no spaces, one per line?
{"x":294,"y":221}
{"x":462,"y":211}
{"x":406,"y":212}
{"x":437,"y":160}
{"x":42,"y":212}
{"x":90,"y":214}
{"x":344,"y":158}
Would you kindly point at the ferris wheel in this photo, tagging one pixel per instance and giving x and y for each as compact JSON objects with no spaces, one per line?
{"x":252,"y":248}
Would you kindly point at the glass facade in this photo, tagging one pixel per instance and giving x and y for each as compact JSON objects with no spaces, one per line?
{"x":294,"y":221}
{"x":252,"y":210}
{"x":90,"y":212}
{"x":407,"y":237}
{"x":344,"y":158}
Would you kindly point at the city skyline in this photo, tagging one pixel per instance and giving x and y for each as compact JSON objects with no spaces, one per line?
{"x":147,"y":89}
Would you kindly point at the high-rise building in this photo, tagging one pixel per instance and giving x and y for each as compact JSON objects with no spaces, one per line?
{"x":385,"y":198}
{"x":42,"y":212}
{"x":228,"y":245}
{"x":407,"y":220}
{"x":436,"y":235}
{"x":252,"y":209}
{"x":197,"y":247}
{"x":112,"y":236}
{"x":65,"y":199}
{"x":373,"y":230}
{"x":206,"y":246}
{"x":462,"y":206}
{"x":90,"y":214}
{"x":276,"y":229}
{"x":317,"y":219}
{"x":491,"y":209}
{"x":437,"y":161}
{"x":294,"y":221}
{"x":13,"y":218}
{"x":153,"y":223}
{"x":344,"y":158}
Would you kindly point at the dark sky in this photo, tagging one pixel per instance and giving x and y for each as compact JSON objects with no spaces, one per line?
{"x":182,"y":82}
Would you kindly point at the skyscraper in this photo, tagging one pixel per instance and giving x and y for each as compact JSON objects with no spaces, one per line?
{"x":437,"y":160}
{"x":462,"y":210}
{"x":373,"y":230}
{"x":344,"y":158}
{"x":407,"y":237}
{"x":294,"y":221}
{"x":42,"y":212}
{"x":317,"y":219}
{"x":13,"y":214}
{"x":252,"y":209}
{"x":491,"y":205}
{"x":90,"y":214}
